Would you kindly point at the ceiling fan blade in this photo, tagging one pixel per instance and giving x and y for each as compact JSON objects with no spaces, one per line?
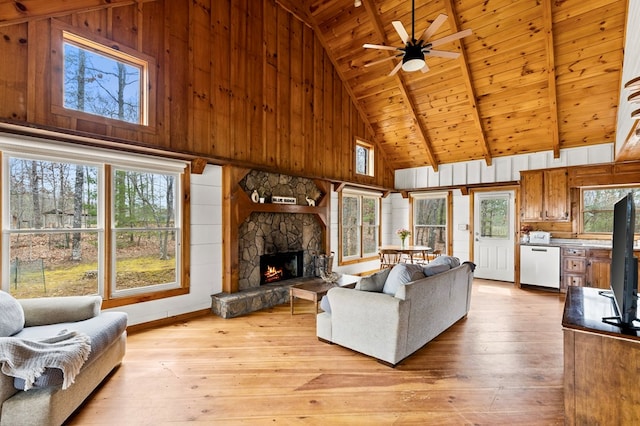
{"x":401,"y":31}
{"x":425,"y":68}
{"x":431,"y":29}
{"x":378,"y":46}
{"x":451,"y":37}
{"x":396,"y":69}
{"x":369,"y":64}
{"x":442,"y":54}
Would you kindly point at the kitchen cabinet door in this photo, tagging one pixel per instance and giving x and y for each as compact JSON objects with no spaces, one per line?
{"x":599,"y":269}
{"x":556,"y":195}
{"x":544,"y":195}
{"x":531,"y":196}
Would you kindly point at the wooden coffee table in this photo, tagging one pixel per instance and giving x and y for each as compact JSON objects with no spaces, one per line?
{"x":315,"y":288}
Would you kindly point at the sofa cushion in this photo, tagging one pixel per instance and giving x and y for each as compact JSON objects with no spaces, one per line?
{"x":374,"y":282}
{"x":430,"y":269}
{"x":103,"y":331}
{"x":400,"y":274}
{"x":11,"y":315}
{"x":446,"y":260}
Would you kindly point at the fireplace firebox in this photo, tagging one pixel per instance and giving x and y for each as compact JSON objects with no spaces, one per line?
{"x":281,"y":266}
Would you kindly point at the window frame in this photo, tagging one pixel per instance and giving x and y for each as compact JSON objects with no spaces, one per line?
{"x":104,"y":160}
{"x":370,"y":162}
{"x":361,"y":256}
{"x":448,"y":230}
{"x":580,"y":221}
{"x":88,"y":41}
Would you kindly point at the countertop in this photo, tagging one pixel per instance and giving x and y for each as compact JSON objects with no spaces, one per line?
{"x":569,"y":242}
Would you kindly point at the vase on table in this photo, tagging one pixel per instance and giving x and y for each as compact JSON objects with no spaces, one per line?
{"x":402,"y":242}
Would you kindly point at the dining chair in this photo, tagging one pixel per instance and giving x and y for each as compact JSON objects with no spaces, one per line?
{"x":389,"y":258}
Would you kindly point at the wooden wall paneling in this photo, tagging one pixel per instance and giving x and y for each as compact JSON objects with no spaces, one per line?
{"x":297,"y":137}
{"x":308,"y":42}
{"x":43,"y":83}
{"x":318,"y":111}
{"x":349,"y":131}
{"x":14,"y":43}
{"x":283,"y":117}
{"x":239,"y":78}
{"x":270,"y":86}
{"x":327,"y":123}
{"x":173,"y":127}
{"x":255,"y":68}
{"x":339,"y":141}
{"x":219,"y":141}
{"x":124,"y":26}
{"x":202,"y":67}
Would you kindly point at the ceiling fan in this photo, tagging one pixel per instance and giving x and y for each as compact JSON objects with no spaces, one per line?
{"x":415,"y":50}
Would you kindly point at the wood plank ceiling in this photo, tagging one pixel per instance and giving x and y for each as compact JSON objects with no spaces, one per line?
{"x":535,"y":75}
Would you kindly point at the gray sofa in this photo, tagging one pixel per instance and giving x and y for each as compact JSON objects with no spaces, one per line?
{"x":391,"y":320}
{"x":46,"y":403}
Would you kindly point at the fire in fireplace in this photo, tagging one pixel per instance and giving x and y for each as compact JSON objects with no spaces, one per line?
{"x":281,"y":266}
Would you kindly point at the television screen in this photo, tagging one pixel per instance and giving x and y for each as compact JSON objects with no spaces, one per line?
{"x":624,"y":270}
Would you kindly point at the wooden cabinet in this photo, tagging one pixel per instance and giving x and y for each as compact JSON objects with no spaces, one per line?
{"x":544,"y":195}
{"x":574,"y":267}
{"x":599,"y":268}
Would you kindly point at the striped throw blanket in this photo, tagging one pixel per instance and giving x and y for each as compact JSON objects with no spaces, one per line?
{"x":28,"y":359}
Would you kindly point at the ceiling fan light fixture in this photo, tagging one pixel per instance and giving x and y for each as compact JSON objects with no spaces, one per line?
{"x":413,"y":59}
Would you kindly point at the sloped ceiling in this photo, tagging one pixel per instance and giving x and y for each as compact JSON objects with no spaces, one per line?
{"x":535,"y":75}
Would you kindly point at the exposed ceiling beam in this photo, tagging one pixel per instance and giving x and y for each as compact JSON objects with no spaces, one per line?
{"x":412,"y":107}
{"x":468,"y":82}
{"x":547,"y":19}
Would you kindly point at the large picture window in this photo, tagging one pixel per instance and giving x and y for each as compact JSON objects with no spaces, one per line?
{"x":430,"y":220}
{"x":360,"y":225}
{"x":110,"y":226}
{"x":597,"y":208}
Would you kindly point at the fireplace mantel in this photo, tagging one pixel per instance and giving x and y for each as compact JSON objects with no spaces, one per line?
{"x":237,"y":206}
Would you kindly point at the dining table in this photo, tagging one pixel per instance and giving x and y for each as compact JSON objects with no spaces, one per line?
{"x":408,"y":250}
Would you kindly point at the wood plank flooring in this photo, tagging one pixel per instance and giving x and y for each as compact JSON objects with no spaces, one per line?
{"x":503,"y":364}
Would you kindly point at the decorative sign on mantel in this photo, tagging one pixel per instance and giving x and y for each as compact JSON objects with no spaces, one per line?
{"x":278,"y":199}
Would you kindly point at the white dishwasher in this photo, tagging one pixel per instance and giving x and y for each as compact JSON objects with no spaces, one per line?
{"x":540,"y":265}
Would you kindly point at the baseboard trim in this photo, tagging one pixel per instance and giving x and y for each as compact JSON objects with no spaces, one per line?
{"x":167,"y":321}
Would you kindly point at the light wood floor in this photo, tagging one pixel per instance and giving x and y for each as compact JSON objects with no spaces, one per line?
{"x":501,"y":365}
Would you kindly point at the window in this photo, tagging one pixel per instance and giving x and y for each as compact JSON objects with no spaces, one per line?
{"x":430,"y":219}
{"x":102,"y":81}
{"x":597,"y":208}
{"x":110,"y":225}
{"x":360,"y":225}
{"x":98,"y":80}
{"x":364,"y":158}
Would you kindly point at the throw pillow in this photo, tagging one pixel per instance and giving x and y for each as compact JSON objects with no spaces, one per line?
{"x":448,"y":260}
{"x":430,"y":269}
{"x":400,"y":274}
{"x":11,"y":315}
{"x":374,"y":282}
{"x":324,"y":304}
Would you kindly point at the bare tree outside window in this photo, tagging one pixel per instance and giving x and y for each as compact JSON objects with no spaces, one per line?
{"x":101,"y":85}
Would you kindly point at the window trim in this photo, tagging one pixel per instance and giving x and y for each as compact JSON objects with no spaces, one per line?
{"x":447,"y":195}
{"x":580,"y":221}
{"x":110,"y":48}
{"x":370,"y":160}
{"x":357,"y":193}
{"x":50,"y":150}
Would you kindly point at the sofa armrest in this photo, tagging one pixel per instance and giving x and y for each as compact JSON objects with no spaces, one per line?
{"x":54,"y":310}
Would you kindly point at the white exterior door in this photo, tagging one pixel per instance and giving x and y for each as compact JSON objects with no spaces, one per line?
{"x":494,"y":235}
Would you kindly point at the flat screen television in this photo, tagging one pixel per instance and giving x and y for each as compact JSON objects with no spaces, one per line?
{"x":624,"y":266}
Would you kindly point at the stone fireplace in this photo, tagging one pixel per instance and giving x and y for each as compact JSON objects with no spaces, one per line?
{"x":259,"y":231}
